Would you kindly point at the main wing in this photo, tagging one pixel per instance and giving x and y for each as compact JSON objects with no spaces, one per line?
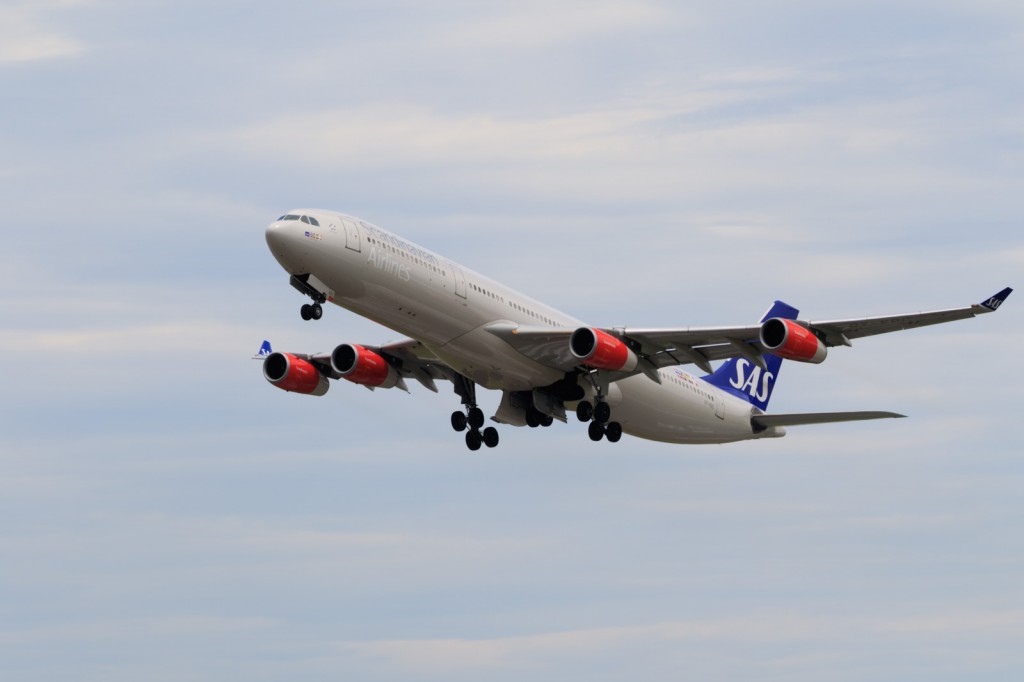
{"x":664,"y":347}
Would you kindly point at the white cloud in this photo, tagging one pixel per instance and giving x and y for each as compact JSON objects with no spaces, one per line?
{"x":536,"y":25}
{"x":27,"y":35}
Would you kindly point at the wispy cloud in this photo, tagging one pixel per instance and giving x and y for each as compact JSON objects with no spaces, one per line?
{"x":28,"y":32}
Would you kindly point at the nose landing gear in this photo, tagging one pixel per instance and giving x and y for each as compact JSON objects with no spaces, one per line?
{"x":311,"y":312}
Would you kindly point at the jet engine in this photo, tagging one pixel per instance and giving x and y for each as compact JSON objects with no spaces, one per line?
{"x":362,"y":366}
{"x":601,"y":350}
{"x":787,"y":339}
{"x":290,"y":373}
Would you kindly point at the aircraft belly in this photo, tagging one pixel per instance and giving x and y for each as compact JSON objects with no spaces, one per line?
{"x":666,"y":413}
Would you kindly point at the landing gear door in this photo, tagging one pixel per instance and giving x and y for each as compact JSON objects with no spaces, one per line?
{"x":352,"y":240}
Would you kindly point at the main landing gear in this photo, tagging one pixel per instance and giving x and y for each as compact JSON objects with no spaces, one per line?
{"x":598,"y":415}
{"x":470,"y":422}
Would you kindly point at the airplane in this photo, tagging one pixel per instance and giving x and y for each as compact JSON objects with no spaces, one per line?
{"x":468,"y":329}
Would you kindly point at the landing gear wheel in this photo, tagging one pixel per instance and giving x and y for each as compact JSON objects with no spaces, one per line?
{"x":306,"y":311}
{"x":614,"y":432}
{"x":490,"y":437}
{"x":459,"y":421}
{"x":546,"y":420}
{"x":602,"y":412}
{"x":473,"y":439}
{"x":584,"y":411}
{"x":476,"y":417}
{"x":315,"y":311}
{"x":595,"y":431}
{"x":532,"y":417}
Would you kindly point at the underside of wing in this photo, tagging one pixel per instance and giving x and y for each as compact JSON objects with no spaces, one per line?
{"x":397,"y":361}
{"x":655,"y":348}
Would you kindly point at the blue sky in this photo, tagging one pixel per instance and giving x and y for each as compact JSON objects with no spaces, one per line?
{"x":168,"y":515}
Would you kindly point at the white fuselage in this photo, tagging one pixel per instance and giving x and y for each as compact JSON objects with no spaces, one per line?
{"x":445,"y":306}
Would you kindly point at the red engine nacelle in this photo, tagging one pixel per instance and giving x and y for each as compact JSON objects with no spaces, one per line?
{"x":290,"y":373}
{"x":787,"y":339}
{"x":362,"y":366}
{"x":601,"y":350}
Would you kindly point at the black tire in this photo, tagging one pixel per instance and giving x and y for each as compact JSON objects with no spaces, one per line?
{"x":315,"y":311}
{"x":584,"y":411}
{"x":546,"y":420}
{"x":532,"y":417}
{"x":602,"y":412}
{"x":473,"y":440}
{"x":306,"y":312}
{"x":491,"y":437}
{"x":595,"y":431}
{"x":459,"y":421}
{"x":476,"y":417}
{"x":614,"y":432}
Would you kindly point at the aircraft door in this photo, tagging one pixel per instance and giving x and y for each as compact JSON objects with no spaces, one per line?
{"x":460,"y":280}
{"x":352,"y":240}
{"x":719,"y":404}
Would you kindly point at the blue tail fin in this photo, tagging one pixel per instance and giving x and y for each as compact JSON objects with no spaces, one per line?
{"x":746,"y":380}
{"x":264,"y":351}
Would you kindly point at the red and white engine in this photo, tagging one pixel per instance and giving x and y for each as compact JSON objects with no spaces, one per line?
{"x":600,"y":350}
{"x":290,"y":373}
{"x":787,"y":339}
{"x":362,"y":366}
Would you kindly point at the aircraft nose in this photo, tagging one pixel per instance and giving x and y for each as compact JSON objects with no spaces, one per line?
{"x":277,"y":235}
{"x":286,"y":244}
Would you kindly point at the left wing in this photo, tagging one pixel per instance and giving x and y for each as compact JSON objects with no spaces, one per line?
{"x":653,"y":348}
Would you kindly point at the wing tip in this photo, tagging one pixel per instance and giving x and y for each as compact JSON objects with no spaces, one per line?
{"x":993,"y":302}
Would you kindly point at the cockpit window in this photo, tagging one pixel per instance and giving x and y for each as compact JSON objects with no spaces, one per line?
{"x":309,"y":220}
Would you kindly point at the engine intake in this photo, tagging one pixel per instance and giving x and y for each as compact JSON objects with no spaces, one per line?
{"x":600,"y":350}
{"x":787,"y":339}
{"x":362,"y":366}
{"x":290,"y":373}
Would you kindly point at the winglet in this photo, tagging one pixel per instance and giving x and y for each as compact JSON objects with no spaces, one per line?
{"x":993,"y":303}
{"x":264,"y":351}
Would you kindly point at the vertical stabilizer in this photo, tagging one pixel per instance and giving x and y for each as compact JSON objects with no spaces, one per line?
{"x":744,"y":379}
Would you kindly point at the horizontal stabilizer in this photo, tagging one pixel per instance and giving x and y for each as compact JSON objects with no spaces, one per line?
{"x":765,"y":421}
